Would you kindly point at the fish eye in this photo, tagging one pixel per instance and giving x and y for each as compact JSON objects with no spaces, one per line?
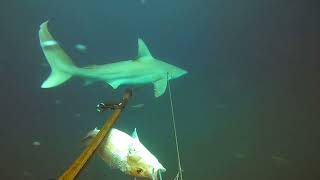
{"x":139,"y":170}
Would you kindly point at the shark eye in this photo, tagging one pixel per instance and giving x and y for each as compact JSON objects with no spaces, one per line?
{"x":139,"y":170}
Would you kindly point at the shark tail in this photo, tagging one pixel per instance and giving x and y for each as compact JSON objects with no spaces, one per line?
{"x":62,"y":67}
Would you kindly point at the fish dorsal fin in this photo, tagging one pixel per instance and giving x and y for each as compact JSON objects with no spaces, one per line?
{"x":134,"y":134}
{"x":143,"y":50}
{"x":160,"y":87}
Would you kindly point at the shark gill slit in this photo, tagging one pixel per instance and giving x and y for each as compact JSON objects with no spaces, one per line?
{"x":174,"y":128}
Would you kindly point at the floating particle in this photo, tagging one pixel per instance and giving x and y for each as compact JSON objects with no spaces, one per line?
{"x":58,"y":101}
{"x":239,"y":156}
{"x":45,"y":64}
{"x":279,"y":159}
{"x":220,"y":106}
{"x":81,"y":47}
{"x":36,"y":143}
{"x":27,"y":173}
{"x":138,"y":106}
{"x":143,"y":1}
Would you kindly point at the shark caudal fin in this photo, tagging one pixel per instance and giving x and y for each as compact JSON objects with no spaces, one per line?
{"x":60,"y":63}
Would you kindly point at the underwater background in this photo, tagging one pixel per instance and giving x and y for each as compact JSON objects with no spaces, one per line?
{"x":247,"y":109}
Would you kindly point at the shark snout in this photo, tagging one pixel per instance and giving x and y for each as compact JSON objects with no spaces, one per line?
{"x":176,"y":72}
{"x":184,"y":72}
{"x":180,"y":73}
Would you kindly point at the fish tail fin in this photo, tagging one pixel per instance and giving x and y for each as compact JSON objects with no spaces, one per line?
{"x":62,"y":67}
{"x":91,"y":134}
{"x":55,"y":79}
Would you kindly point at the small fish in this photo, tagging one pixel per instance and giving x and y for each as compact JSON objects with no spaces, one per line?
{"x":127,"y":153}
{"x":36,"y":143}
{"x":81,"y":47}
{"x":138,"y":106}
{"x":143,"y":1}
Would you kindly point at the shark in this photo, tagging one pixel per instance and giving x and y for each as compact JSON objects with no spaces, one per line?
{"x":144,"y":69}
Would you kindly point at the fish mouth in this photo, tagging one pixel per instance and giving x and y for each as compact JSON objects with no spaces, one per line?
{"x":162,"y":169}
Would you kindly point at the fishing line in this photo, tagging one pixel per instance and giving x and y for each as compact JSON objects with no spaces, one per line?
{"x":174,"y":128}
{"x":160,"y":176}
{"x":177,"y":176}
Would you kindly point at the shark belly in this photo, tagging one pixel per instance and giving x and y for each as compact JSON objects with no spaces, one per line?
{"x":121,"y":73}
{"x":139,"y":79}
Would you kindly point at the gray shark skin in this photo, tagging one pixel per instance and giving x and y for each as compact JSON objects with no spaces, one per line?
{"x":144,"y":69}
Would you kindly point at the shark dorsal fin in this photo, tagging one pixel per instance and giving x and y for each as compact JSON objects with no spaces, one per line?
{"x":143,"y":50}
{"x":160,"y":87}
{"x":134,"y":134}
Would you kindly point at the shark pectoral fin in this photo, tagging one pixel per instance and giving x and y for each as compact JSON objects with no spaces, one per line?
{"x":114,"y":84}
{"x":143,"y":49}
{"x":160,"y":87}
